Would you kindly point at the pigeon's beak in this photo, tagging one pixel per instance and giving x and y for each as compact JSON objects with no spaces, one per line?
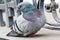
{"x":20,"y":6}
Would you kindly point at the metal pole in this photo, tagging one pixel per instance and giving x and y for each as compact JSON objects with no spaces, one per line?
{"x":2,"y":23}
{"x":10,"y":17}
{"x":6,"y":12}
{"x":35,"y":3}
{"x":41,"y":6}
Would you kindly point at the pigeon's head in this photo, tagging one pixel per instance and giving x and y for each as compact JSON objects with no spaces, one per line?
{"x":25,"y":7}
{"x":30,"y":13}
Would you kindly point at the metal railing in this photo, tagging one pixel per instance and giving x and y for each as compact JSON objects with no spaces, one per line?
{"x":9,"y":5}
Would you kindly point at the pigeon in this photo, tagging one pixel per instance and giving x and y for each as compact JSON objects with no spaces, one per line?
{"x":29,"y":22}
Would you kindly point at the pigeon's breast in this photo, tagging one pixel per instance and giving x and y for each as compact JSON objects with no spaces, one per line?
{"x":29,"y":27}
{"x":23,"y":24}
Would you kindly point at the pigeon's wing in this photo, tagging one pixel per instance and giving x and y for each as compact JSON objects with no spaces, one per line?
{"x":21,"y":25}
{"x":17,"y":24}
{"x":37,"y":13}
{"x":32,"y":15}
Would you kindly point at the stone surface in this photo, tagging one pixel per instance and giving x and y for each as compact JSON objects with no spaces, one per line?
{"x":3,"y":39}
{"x":43,"y":34}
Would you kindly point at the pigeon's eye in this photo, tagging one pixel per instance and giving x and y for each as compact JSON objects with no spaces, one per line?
{"x":20,"y":6}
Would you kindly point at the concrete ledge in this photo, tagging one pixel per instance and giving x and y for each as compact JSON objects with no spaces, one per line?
{"x":43,"y":34}
{"x":9,"y":4}
{"x":2,"y":7}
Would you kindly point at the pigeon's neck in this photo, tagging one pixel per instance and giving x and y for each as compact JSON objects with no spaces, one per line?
{"x":26,"y":11}
{"x":32,"y":15}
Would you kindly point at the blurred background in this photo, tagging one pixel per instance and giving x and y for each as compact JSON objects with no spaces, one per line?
{"x":43,"y":34}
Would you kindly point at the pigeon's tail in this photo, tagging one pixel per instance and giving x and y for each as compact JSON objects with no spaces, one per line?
{"x":52,"y":28}
{"x":51,"y":24}
{"x":15,"y":27}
